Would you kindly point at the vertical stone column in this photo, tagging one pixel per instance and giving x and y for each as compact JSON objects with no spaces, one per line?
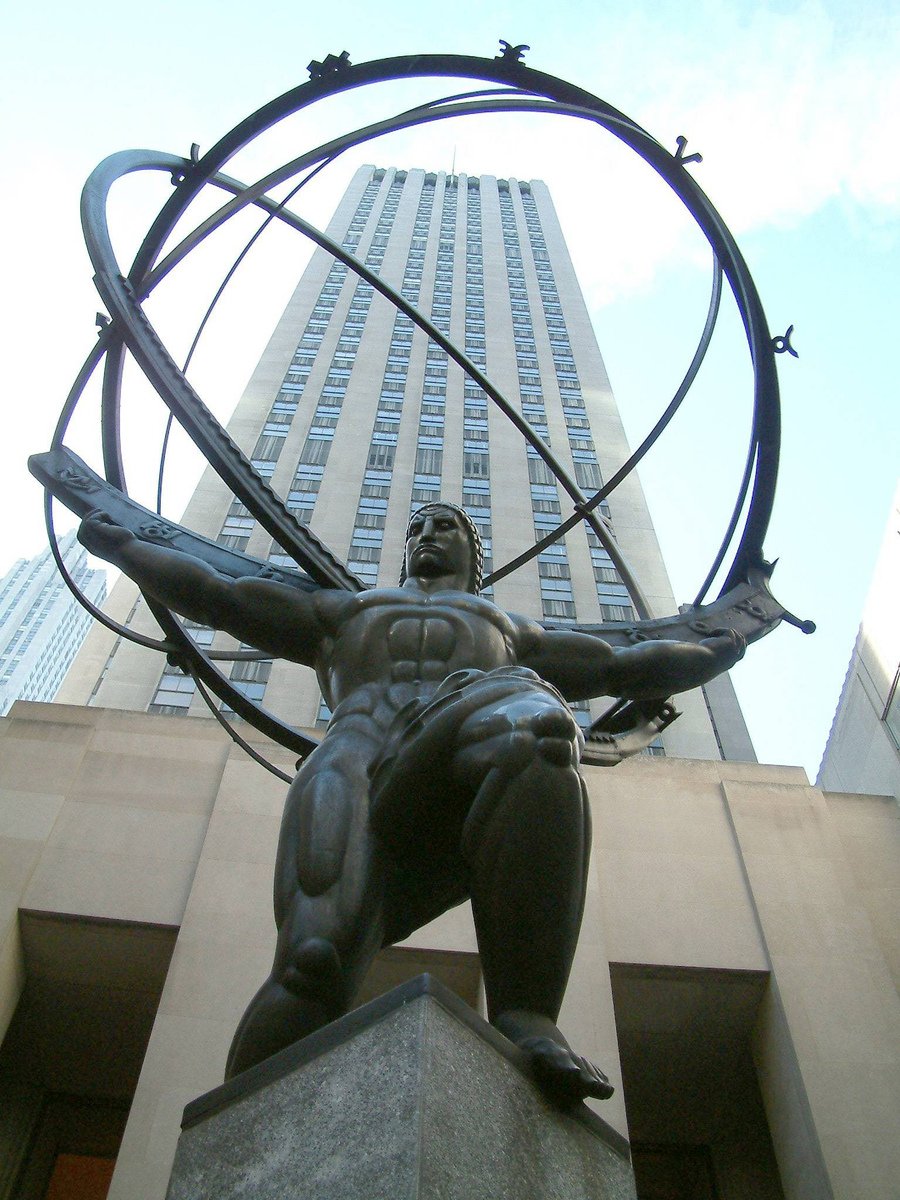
{"x":827,"y":1038}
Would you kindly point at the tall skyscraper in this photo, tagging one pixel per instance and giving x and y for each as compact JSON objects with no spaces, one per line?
{"x":41,"y":623}
{"x":356,"y":417}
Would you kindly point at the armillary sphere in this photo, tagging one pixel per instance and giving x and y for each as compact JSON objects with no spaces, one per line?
{"x":744,"y":604}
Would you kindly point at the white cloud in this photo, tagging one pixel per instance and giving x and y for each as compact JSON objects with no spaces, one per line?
{"x":793,"y":109}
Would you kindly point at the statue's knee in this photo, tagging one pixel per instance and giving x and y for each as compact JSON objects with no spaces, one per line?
{"x":312,"y":968}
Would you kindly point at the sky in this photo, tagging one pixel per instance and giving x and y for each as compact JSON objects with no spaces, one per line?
{"x":795,"y":108}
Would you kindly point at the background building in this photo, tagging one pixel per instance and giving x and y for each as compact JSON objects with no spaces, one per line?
{"x":863,"y":749}
{"x":42,"y":625}
{"x":738,"y":965}
{"x":356,"y":418}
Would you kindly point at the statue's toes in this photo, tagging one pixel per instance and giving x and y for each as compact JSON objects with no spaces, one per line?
{"x":565,"y":1077}
{"x":598,"y":1083}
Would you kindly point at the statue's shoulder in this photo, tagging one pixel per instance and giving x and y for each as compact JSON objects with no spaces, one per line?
{"x":359,"y":602}
{"x":480,"y":606}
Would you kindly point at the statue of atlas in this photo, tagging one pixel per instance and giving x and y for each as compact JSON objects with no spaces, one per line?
{"x":449,"y":770}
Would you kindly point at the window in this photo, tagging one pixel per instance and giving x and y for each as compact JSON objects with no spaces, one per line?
{"x":256,"y":669}
{"x":582,"y":713}
{"x":429,"y":461}
{"x":476,"y":465}
{"x":232,"y":541}
{"x":558,"y":608}
{"x":605,"y":574}
{"x":173,"y":695}
{"x":553,"y":569}
{"x":562,"y":586}
{"x":539,"y":472}
{"x":269,"y":444}
{"x":365,"y":553}
{"x":587,"y":475}
{"x":251,"y":689}
{"x":366,"y":571}
{"x":239,"y":525}
{"x":617,"y":612}
{"x":301,"y":505}
{"x":316,"y":450}
{"x":368,"y":519}
{"x":545,"y":504}
{"x":616,"y":593}
{"x":655,"y":750}
{"x":364,"y":536}
{"x":544,"y":523}
{"x":369,"y":504}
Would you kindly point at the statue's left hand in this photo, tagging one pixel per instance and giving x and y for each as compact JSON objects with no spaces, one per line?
{"x":100,"y":534}
{"x":728,"y":646}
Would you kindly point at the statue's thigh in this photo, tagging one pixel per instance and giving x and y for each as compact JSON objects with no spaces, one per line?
{"x":424,"y":796}
{"x":446,"y":786}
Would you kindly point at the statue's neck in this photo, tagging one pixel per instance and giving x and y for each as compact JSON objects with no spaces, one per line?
{"x":440,"y":583}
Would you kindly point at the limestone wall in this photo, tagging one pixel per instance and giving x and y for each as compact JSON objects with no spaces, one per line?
{"x":719,"y":871}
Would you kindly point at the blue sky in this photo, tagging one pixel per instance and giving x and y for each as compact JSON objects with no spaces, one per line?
{"x":795,"y":108}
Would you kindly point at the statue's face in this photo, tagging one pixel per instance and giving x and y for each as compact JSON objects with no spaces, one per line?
{"x":438,"y":545}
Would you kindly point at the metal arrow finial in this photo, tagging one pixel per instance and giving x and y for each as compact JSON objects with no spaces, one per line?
{"x":680,"y":156}
{"x":782,"y":344}
{"x":511,"y":53}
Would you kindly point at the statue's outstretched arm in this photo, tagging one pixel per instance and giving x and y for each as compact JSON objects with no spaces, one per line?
{"x":582,"y":666}
{"x":267,"y":614}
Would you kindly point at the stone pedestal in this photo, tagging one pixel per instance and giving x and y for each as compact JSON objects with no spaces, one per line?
{"x":413,"y":1096}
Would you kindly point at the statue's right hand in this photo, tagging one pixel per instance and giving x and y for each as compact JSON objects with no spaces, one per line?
{"x":100,"y":535}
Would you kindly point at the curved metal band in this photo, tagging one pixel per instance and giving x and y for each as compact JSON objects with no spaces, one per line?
{"x":766,"y":425}
{"x":130,"y":326}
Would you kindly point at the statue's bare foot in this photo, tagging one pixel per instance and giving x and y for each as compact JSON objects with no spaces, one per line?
{"x":562,"y":1075}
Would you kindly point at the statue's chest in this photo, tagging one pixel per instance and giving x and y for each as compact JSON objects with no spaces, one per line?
{"x":409,"y":642}
{"x":424,"y":638}
{"x":427,"y":645}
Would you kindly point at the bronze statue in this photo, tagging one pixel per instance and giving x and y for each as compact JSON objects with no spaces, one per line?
{"x":449,"y":770}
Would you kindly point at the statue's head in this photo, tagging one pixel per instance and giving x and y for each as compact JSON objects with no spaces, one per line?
{"x":442,"y":535}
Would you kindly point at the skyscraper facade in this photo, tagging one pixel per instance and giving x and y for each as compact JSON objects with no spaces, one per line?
{"x":356,"y":417}
{"x":41,"y":623}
